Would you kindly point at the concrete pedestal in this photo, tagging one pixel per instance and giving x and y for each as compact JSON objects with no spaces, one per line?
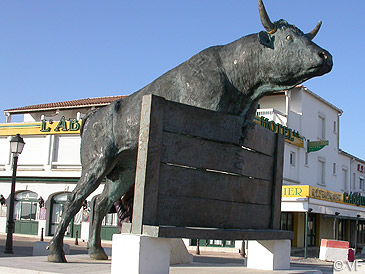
{"x":179,"y":253}
{"x":269,"y":255}
{"x":138,"y":254}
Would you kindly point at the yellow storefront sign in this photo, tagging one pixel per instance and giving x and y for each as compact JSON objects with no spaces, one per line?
{"x":295,"y":191}
{"x":307,"y":191}
{"x":70,"y":126}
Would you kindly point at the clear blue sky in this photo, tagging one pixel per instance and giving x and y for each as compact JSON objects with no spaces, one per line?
{"x":63,"y":50}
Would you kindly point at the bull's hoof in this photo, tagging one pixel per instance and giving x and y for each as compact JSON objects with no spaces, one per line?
{"x":57,"y":258}
{"x":98,"y":254}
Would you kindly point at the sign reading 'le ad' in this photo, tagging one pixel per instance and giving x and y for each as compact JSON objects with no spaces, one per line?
{"x":62,"y":125}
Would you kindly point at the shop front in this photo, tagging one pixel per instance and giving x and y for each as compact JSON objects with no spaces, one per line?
{"x":318,"y":214}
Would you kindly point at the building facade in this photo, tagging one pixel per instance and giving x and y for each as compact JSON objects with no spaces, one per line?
{"x":321,"y":183}
{"x":48,"y":168}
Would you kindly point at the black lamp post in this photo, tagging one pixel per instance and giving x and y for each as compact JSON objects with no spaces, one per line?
{"x":306,"y":232}
{"x":16,"y":147}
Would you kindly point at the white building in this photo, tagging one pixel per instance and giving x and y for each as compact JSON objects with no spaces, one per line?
{"x":48,"y":168}
{"x":316,"y":181}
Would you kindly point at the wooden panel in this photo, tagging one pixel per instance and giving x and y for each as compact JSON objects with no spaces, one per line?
{"x":260,"y":139}
{"x":201,"y":122}
{"x":277,"y":182}
{"x":193,"y":121}
{"x":193,"y":212}
{"x":148,"y":163}
{"x":179,"y":181}
{"x":204,"y":154}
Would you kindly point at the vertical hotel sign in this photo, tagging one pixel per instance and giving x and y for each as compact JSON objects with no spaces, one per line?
{"x":63,"y":126}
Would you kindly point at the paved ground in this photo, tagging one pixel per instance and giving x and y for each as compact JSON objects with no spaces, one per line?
{"x":23,"y":262}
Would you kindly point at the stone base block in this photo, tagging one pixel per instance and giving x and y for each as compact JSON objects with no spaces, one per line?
{"x":179,"y":253}
{"x":140,"y":254}
{"x":39,"y":249}
{"x":269,"y":255}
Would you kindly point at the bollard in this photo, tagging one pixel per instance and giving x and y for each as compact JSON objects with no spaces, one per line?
{"x":42,"y":239}
{"x":197,"y":247}
{"x":243,"y":249}
{"x":76,"y":238}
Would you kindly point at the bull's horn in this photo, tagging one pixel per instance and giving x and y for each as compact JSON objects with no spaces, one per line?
{"x":314,"y":32}
{"x":265,"y":20}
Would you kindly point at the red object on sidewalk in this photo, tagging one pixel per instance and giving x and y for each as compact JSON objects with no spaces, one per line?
{"x":351,"y":255}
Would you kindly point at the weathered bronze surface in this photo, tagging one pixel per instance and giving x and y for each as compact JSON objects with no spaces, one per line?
{"x":228,"y":79}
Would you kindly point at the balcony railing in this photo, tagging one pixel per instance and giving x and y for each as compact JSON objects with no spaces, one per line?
{"x":273,"y":115}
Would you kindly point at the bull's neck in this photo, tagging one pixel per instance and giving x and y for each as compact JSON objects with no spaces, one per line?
{"x":241,"y":62}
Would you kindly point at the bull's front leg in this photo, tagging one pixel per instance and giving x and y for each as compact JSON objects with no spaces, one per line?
{"x":87,"y":184}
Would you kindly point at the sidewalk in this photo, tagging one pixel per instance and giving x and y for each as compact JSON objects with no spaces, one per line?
{"x":23,"y":262}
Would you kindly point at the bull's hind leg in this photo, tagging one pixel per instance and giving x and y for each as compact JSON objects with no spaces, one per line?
{"x":111,"y":193}
{"x":88,"y":182}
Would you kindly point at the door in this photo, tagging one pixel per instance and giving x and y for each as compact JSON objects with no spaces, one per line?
{"x":25,"y":213}
{"x":57,"y":208}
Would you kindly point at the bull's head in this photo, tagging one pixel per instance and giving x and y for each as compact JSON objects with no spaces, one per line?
{"x":293,"y":57}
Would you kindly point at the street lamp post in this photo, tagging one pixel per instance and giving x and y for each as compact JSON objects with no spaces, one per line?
{"x":16,"y":147}
{"x":306,"y":233}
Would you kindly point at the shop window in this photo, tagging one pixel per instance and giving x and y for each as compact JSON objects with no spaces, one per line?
{"x":341,"y":229}
{"x":25,"y":207}
{"x":287,"y":221}
{"x":312,"y":224}
{"x":57,"y":208}
{"x":111,"y":219}
{"x":361,"y":232}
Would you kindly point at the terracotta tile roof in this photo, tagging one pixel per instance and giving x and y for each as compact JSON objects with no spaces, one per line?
{"x":80,"y":103}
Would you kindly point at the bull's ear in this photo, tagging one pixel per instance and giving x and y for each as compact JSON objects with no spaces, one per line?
{"x":266,"y":39}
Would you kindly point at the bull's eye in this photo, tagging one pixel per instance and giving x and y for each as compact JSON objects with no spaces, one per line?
{"x":289,"y":38}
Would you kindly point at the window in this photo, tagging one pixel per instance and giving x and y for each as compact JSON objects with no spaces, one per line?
{"x":334,"y":169}
{"x":362,"y":184}
{"x":306,"y":159}
{"x":287,"y":221}
{"x":292,"y":158}
{"x":312,"y":225}
{"x":344,"y":178}
{"x":25,"y":207}
{"x":321,"y":172}
{"x":334,"y":127}
{"x":111,"y":219}
{"x":321,"y":126}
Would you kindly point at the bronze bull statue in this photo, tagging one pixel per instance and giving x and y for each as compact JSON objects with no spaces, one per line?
{"x":229,"y":79}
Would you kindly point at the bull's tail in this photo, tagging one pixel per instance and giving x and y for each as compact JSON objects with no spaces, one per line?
{"x":85,"y":118}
